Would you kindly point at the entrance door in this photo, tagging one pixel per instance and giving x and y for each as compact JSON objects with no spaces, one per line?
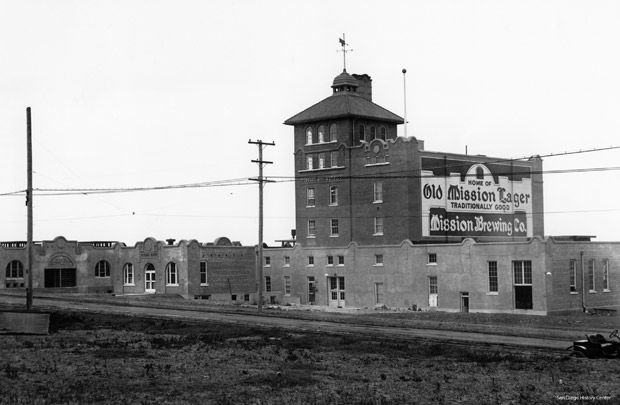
{"x":336,"y":291}
{"x":464,"y":302}
{"x":149,"y":279}
{"x":432,"y":292}
{"x":379,"y":293}
{"x":311,"y":290}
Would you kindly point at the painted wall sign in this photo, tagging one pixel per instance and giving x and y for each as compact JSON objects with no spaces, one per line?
{"x":476,"y":204}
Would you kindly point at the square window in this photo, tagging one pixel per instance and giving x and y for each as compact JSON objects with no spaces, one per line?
{"x":432,"y":258}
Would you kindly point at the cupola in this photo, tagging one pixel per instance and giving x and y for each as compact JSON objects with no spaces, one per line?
{"x":344,"y":82}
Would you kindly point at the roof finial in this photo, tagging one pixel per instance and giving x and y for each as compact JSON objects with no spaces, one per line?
{"x":344,"y":51}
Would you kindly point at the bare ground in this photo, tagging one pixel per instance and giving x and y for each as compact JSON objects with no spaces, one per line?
{"x":99,"y":358}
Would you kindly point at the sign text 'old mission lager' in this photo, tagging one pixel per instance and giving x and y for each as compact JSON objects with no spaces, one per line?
{"x":476,"y":203}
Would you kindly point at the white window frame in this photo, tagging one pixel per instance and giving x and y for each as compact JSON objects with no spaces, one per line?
{"x":379,"y":226}
{"x":128,"y":275}
{"x":333,"y":195}
{"x":606,"y":275}
{"x":591,"y":276}
{"x":310,"y":197}
{"x":311,"y":228}
{"x":522,"y":273}
{"x":203,"y":270}
{"x":340,"y":260}
{"x":572,"y":276}
{"x":172,"y":274}
{"x":334,"y":228}
{"x":309,"y":136}
{"x":377,"y":192}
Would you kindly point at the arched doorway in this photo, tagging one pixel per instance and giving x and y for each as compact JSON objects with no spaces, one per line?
{"x":149,"y":278}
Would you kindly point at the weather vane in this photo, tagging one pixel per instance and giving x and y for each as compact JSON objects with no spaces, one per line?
{"x":344,"y":51}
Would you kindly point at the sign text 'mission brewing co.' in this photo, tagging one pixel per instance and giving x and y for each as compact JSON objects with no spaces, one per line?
{"x":477,"y":206}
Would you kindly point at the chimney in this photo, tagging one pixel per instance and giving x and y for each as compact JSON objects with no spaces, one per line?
{"x":365,"y":86}
{"x":170,"y":241}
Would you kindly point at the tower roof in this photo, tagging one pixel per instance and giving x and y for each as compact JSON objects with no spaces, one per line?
{"x":345,"y":102}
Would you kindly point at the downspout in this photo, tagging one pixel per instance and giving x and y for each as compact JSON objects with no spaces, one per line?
{"x":583,"y":285}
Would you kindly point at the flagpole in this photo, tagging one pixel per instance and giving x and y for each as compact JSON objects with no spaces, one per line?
{"x":29,"y":205}
{"x":405,"y":97}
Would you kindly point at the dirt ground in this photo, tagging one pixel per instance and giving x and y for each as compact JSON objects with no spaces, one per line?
{"x":97,"y":358}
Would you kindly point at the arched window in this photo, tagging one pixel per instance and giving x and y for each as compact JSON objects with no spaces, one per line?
{"x":373,"y":133}
{"x":309,"y":136}
{"x":172,"y":277}
{"x":383,"y":133}
{"x":321,"y":134}
{"x":479,"y":173}
{"x":128,"y":274}
{"x":102,"y":269}
{"x":362,"y":132}
{"x":333,"y":133}
{"x":15,"y":269}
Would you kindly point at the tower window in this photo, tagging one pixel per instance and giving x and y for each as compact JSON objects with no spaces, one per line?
{"x":333,"y":133}
{"x":309,"y":136}
{"x":321,"y":134}
{"x":479,"y":173}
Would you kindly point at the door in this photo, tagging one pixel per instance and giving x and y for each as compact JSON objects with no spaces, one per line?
{"x":149,"y":279}
{"x":379,"y":293}
{"x":336,"y":291}
{"x":311,"y":290}
{"x":432,"y":292}
{"x":464,"y":302}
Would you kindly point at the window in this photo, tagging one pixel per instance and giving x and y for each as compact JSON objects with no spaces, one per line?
{"x":333,"y":159}
{"x":128,"y":274}
{"x":309,"y":136}
{"x":333,"y":195}
{"x":334,"y":227}
{"x":362,"y":132}
{"x":246,"y":297}
{"x":383,"y":133}
{"x":606,"y":275}
{"x":14,"y":274}
{"x":378,"y":226}
{"x":378,"y":260}
{"x":267,"y":261}
{"x":591,"y":285}
{"x":311,"y":228}
{"x":321,"y":160}
{"x":287,"y":285}
{"x":572,"y":273}
{"x":522,"y":270}
{"x":378,"y":191}
{"x":321,"y":134}
{"x":330,"y":260}
{"x":373,"y":133}
{"x":171,"y":274}
{"x":310,"y":260}
{"x":287,"y":261}
{"x":102,"y":269}
{"x":378,"y":293}
{"x":493,"y":277}
{"x":432,"y":258}
{"x":309,"y":162}
{"x":15,"y":269}
{"x":310,"y":197}
{"x":340,"y":260}
{"x":479,"y":173}
{"x":432,"y":284}
{"x":203,"y":273}
{"x":333,"y":132}
{"x":268,"y":283}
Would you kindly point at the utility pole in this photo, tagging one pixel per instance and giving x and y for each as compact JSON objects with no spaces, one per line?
{"x":405,"y":97}
{"x":260,"y":181}
{"x":29,"y":205}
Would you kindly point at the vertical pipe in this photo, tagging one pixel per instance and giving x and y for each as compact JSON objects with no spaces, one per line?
{"x":29,"y":207}
{"x":583,"y":284}
{"x":405,"y":97}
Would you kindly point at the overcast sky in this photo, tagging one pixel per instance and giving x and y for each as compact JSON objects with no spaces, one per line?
{"x":150,"y":93}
